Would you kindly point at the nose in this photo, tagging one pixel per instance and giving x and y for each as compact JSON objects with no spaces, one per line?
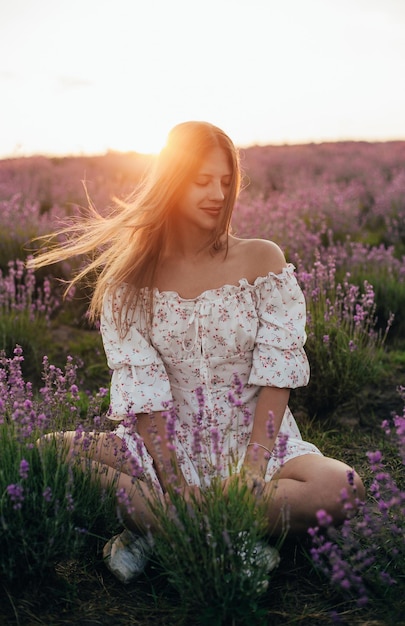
{"x":216,"y":190}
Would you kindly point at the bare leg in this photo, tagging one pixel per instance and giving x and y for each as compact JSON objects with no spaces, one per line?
{"x":303,"y":486}
{"x":104,"y":455}
{"x":104,"y":447}
{"x":135,"y":509}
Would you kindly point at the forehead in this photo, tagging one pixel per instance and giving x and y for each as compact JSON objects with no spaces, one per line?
{"x":216,"y":162}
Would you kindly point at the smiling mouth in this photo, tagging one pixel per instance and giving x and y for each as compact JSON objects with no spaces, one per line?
{"x":212,"y":210}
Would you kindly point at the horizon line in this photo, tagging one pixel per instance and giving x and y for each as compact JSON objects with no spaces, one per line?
{"x":107,"y":151}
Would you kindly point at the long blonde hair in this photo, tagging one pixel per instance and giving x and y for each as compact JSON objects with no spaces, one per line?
{"x":124,"y":247}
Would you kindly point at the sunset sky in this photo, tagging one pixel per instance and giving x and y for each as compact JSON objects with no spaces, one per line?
{"x":86,"y":76}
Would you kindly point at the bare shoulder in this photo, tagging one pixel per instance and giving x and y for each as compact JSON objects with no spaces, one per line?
{"x":260,"y":256}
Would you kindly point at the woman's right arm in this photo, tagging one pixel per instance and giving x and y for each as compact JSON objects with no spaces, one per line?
{"x":140,"y":386}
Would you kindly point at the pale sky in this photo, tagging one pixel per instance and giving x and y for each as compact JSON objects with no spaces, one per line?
{"x":86,"y":76}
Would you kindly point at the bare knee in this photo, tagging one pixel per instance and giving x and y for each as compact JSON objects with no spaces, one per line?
{"x":311,"y":483}
{"x":49,"y":438}
{"x":63,"y":442}
{"x":342,"y":489}
{"x":359,"y":487}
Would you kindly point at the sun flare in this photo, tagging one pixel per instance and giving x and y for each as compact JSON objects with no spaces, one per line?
{"x":146,"y":141}
{"x":143,"y":135}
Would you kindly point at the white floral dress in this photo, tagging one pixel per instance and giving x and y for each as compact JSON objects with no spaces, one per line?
{"x":227,"y":343}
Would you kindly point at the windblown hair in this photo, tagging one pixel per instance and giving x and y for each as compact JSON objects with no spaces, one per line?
{"x":124,"y":248}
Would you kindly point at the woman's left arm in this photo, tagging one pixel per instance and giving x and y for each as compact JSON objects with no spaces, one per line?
{"x":271,"y":405}
{"x":279,"y":334}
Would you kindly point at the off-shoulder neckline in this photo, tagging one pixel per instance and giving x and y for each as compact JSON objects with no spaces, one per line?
{"x":285,"y":273}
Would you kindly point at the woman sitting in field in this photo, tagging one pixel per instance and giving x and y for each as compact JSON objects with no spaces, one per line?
{"x":185,"y":306}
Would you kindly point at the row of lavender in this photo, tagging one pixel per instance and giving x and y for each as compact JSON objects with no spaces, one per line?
{"x":340,"y":201}
{"x":339,"y":213}
{"x":307,"y":198}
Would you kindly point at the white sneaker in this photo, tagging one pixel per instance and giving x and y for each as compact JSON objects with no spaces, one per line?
{"x":267,"y":555}
{"x":263,"y":553}
{"x":258,"y":563}
{"x":126,"y":555}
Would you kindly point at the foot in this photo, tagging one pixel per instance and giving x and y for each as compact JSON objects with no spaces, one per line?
{"x":262,"y":553}
{"x":126,"y":555}
{"x":267,"y":555}
{"x":257,"y":563}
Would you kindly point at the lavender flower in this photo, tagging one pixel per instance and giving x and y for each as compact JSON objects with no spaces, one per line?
{"x":24,"y":469}
{"x":124,"y":502}
{"x":170,"y":416}
{"x":16,"y":495}
{"x":270,"y":429}
{"x":47,"y":494}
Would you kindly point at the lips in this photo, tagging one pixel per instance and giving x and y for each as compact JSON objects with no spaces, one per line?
{"x":212,"y":210}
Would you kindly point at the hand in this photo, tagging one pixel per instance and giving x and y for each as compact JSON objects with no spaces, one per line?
{"x":253,"y":481}
{"x":190,"y":493}
{"x":256,"y":460}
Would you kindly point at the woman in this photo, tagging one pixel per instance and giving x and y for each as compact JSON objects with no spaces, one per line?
{"x":185,"y":306}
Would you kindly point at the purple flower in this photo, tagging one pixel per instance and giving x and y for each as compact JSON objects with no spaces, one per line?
{"x":375,"y":459}
{"x":16,"y":494}
{"x":171,"y":417}
{"x":24,"y":469}
{"x":324,"y":519}
{"x":70,"y":506}
{"x":281,"y":447}
{"x":270,"y":430}
{"x":125,"y":505}
{"x":74,"y":390}
{"x":216,"y":447}
{"x":197,"y":441}
{"x":47,"y":494}
{"x":78,"y":434}
{"x":199,"y":392}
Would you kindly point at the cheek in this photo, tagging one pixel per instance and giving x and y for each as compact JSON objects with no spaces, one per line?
{"x":190,"y":199}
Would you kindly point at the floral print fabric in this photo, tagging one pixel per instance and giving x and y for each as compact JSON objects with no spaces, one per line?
{"x":227,"y":343}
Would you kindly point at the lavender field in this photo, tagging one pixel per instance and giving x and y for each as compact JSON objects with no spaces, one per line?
{"x":338,"y":212}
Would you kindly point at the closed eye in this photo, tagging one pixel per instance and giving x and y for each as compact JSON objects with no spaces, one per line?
{"x":205,"y":183}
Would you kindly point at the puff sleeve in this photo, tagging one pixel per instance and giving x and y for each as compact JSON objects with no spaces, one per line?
{"x":279,"y":359}
{"x":139,"y":382}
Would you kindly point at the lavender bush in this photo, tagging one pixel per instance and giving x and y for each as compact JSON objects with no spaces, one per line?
{"x":211,"y":550}
{"x":26,"y":308}
{"x":38,"y":194}
{"x":212,"y":545}
{"x":50,"y":509}
{"x":344,"y":344}
{"x":365,"y":559}
{"x":385,"y":269}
